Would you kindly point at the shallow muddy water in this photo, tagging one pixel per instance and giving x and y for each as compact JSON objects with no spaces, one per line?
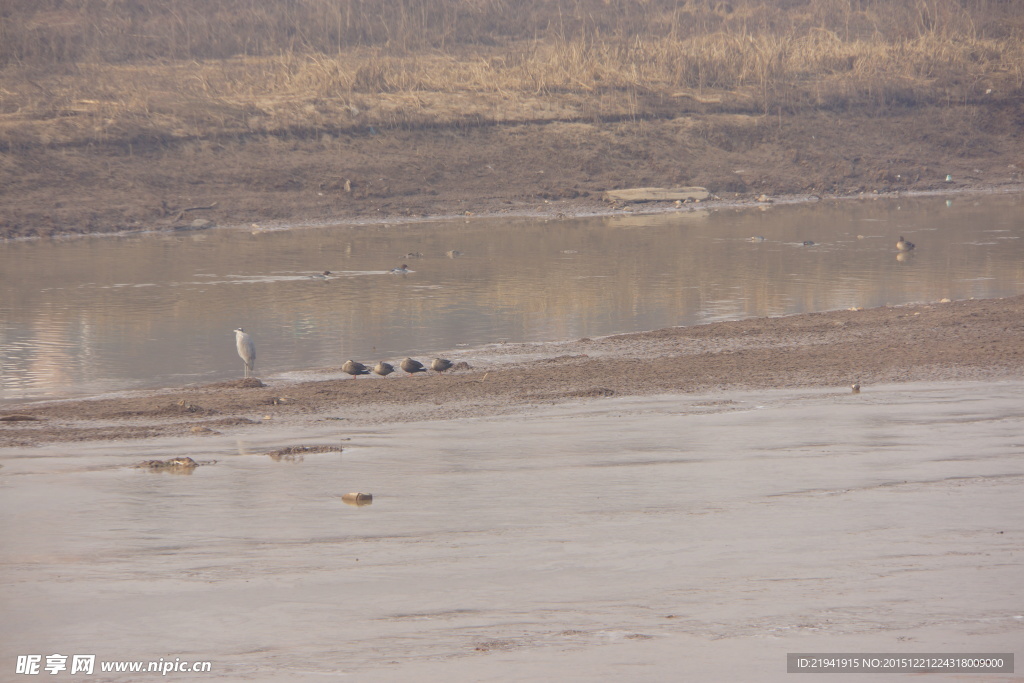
{"x":90,"y":315}
{"x":655,"y":538}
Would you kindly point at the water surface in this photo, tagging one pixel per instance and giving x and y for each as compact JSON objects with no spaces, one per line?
{"x":646,"y":536}
{"x":89,"y":315}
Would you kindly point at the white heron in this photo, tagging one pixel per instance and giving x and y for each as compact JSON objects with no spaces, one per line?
{"x":246,"y":349}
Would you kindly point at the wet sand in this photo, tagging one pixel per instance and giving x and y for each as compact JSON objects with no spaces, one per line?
{"x":962,"y":340}
{"x":686,"y":503}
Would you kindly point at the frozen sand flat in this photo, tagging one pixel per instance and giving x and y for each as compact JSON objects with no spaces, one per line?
{"x":646,"y":538}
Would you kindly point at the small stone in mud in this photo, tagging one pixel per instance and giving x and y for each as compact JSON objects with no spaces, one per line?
{"x":855,"y":387}
{"x":179,"y":464}
{"x":204,"y":430}
{"x":462,"y":365}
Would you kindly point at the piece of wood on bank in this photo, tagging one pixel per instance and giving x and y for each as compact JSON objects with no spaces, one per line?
{"x":657,"y":194}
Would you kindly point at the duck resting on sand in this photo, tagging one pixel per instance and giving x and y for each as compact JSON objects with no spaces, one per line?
{"x":353,"y":368}
{"x":412,"y":366}
{"x":440,"y":364}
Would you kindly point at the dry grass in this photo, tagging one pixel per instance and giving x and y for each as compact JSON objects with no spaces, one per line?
{"x":63,"y":31}
{"x":79,"y":73}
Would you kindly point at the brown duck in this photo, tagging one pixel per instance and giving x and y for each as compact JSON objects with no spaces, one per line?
{"x":383,"y":369}
{"x":353,"y":368}
{"x":412,"y":366}
{"x":904,"y":245}
{"x":440,"y":364}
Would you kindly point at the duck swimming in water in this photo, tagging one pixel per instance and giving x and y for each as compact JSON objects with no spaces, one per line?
{"x":904,"y":245}
{"x":401,"y":270}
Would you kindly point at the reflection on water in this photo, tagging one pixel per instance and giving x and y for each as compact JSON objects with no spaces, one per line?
{"x":88,"y":315}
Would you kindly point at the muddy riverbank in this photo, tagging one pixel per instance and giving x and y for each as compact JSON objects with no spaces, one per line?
{"x":961,"y":340}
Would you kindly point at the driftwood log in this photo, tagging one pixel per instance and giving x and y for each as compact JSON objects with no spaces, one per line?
{"x":657,"y":194}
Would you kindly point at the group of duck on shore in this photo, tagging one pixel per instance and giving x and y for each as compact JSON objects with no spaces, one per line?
{"x":247,"y":352}
{"x":409,"y":365}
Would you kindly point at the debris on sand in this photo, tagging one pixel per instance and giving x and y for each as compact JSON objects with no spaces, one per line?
{"x":199,"y":429}
{"x":178,"y":465}
{"x":297,"y":453}
{"x":358,"y":499}
{"x":657,"y":194}
{"x":192,"y":408}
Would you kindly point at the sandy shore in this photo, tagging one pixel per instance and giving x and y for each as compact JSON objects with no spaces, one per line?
{"x":503,"y":170}
{"x":963,"y":340}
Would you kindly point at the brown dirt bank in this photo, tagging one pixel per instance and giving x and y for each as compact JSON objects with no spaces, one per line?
{"x":545,"y":167}
{"x":121,"y":116}
{"x":966,"y":340}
